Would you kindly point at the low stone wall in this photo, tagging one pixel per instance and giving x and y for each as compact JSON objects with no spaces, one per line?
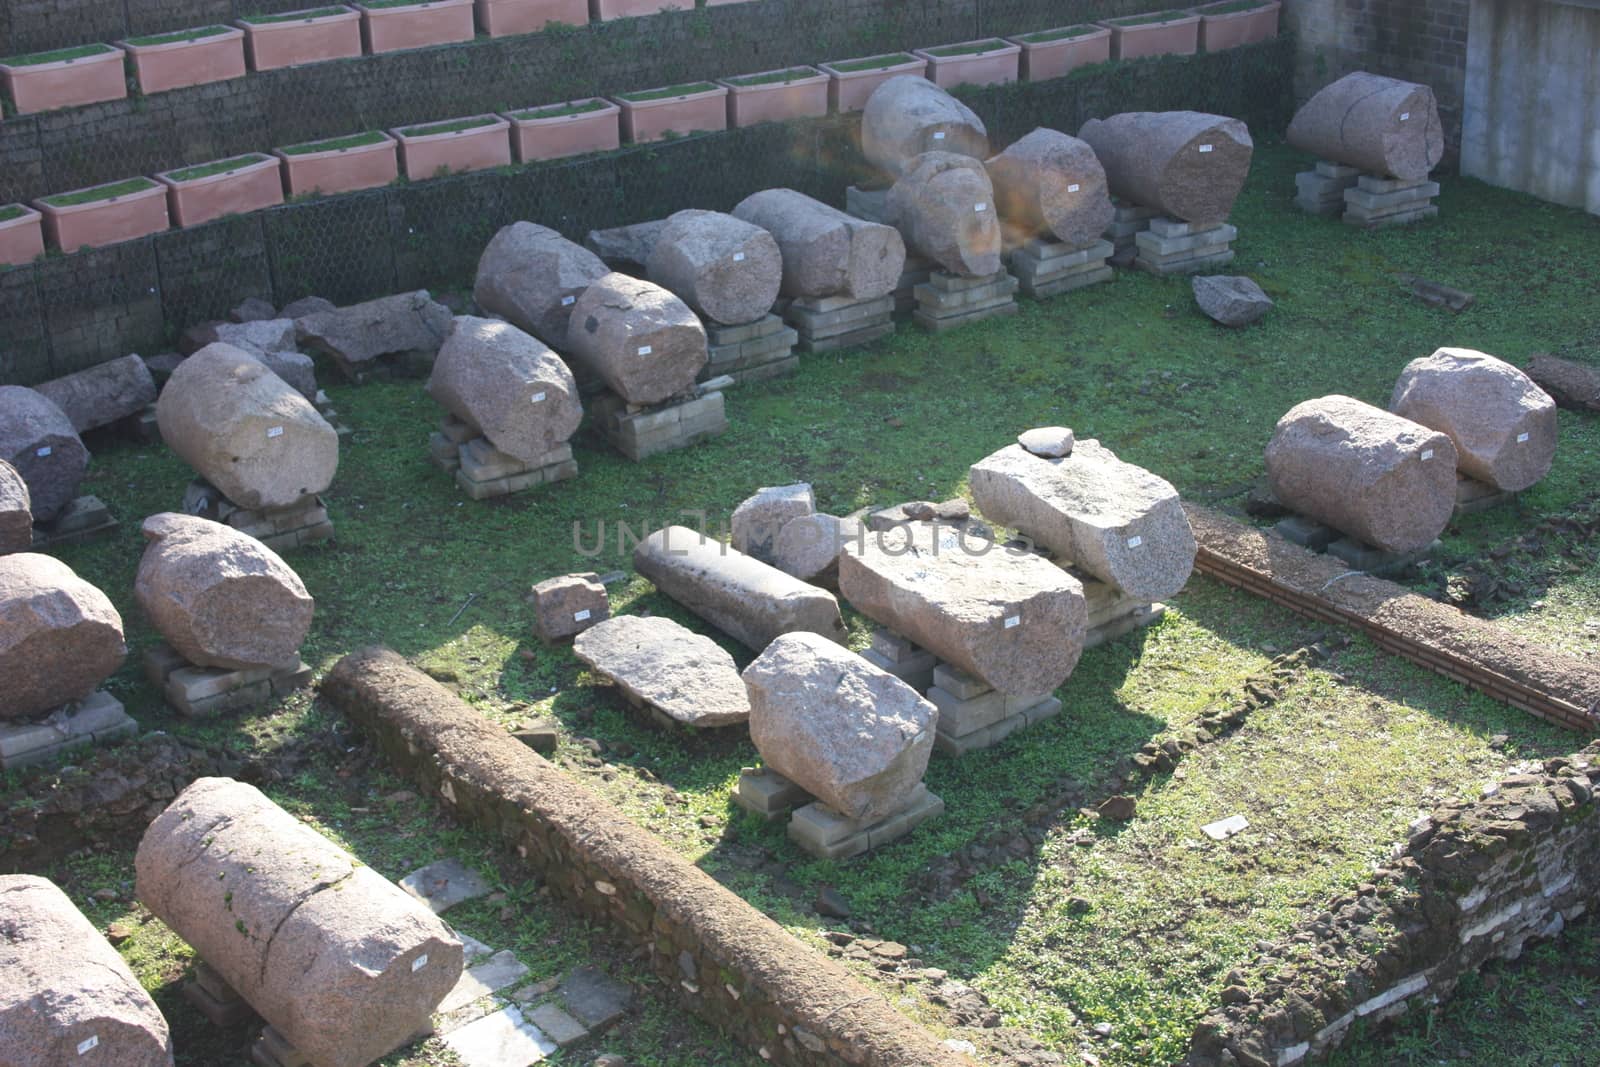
{"x":1475,"y":881}
{"x":725,"y":960}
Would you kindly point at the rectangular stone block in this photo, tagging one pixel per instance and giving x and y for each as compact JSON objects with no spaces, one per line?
{"x":1123,"y":211}
{"x":951,"y":283}
{"x":1034,"y":272}
{"x":940,"y":324}
{"x":767,"y":793}
{"x":766,"y":371}
{"x":917,"y":671}
{"x":443,"y":452}
{"x":1152,"y":244}
{"x":160,"y":660}
{"x":958,"y":717}
{"x":1473,"y":496}
{"x":718,"y":335}
{"x":824,"y":833}
{"x":882,"y":327}
{"x":1069,"y":282}
{"x":934,"y":300}
{"x":1116,"y":626}
{"x":1362,"y":557}
{"x":1371,"y":183}
{"x":1308,"y":533}
{"x":83,"y":519}
{"x":816,"y":324}
{"x":1339,"y":171}
{"x":1354,"y":216}
{"x":958,"y":683}
{"x":1184,"y":265}
{"x":1370,"y":201}
{"x":1046,"y":250}
{"x":457,"y":431}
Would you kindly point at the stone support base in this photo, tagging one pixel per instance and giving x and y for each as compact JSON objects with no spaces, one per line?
{"x":945,"y":301}
{"x":895,"y":655}
{"x":280,"y":529}
{"x":1320,"y":191}
{"x":201,"y":692}
{"x":839,"y":321}
{"x":1473,"y":496}
{"x":1127,"y":223}
{"x":753,"y":352}
{"x":98,"y":719}
{"x":216,"y":999}
{"x":1376,"y":202}
{"x":1172,"y":247}
{"x":1311,"y":534}
{"x":820,"y":830}
{"x":484,"y":472}
{"x":640,"y":432}
{"x":1049,"y":268}
{"x":973,"y":716}
{"x":83,"y":519}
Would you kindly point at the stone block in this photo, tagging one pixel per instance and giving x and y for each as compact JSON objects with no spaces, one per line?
{"x":814,"y":323}
{"x":1363,"y":557}
{"x":1182,"y":264}
{"x":199,"y":692}
{"x":1339,"y":171}
{"x":853,"y":339}
{"x":272,"y":1050}
{"x":718,"y":335}
{"x":443,"y":885}
{"x":958,"y":717}
{"x":97,"y":719}
{"x":560,"y":1027}
{"x":916,"y":671}
{"x":1154,"y":244}
{"x":1374,"y":200}
{"x":1117,"y":625}
{"x":1473,"y":496}
{"x":826,"y":834}
{"x":958,"y":683}
{"x":82,"y":519}
{"x":1354,"y":216}
{"x":767,"y":793}
{"x":223,"y":1014}
{"x":1371,"y":183}
{"x":456,"y":430}
{"x":1001,"y":309}
{"x":1068,"y":282}
{"x":952,"y":283}
{"x":936,"y":300}
{"x":444,"y":453}
{"x":594,"y":999}
{"x":1307,"y":532}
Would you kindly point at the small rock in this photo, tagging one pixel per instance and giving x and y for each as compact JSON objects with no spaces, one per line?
{"x":1118,"y":809}
{"x":542,"y":737}
{"x":117,"y":933}
{"x":830,"y":903}
{"x":307,"y":305}
{"x":1235,"y":994}
{"x":1231,"y":300}
{"x":1051,"y":442}
{"x":1102,"y":1030}
{"x":254,"y":309}
{"x":957,"y":510}
{"x":610,"y":1059}
{"x":105,"y":895}
{"x":918,"y":510}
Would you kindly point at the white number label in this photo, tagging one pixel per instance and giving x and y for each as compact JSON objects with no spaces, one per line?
{"x":1013,"y":621}
{"x":43,"y":452}
{"x":275,"y":431}
{"x":88,"y":1043}
{"x":1522,"y":438}
{"x":980,"y":207}
{"x":738,"y":257}
{"x":581,"y":616}
{"x":939,"y":136}
{"x":1205,"y":148}
{"x":1404,"y":115}
{"x":1427,"y":454}
{"x":537,"y":397}
{"x":645,"y":350}
{"x":1135,"y":542}
{"x":419,"y":963}
{"x":568,"y":301}
{"x":1072,"y":188}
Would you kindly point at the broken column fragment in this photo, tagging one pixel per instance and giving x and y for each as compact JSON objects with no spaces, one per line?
{"x":506,"y":385}
{"x":907,"y":116}
{"x":40,"y":442}
{"x":403,"y":331}
{"x":531,"y":276}
{"x":1186,"y":164}
{"x":1117,"y":521}
{"x":245,"y":430}
{"x":60,"y":637}
{"x":68,"y":997}
{"x":685,"y":676}
{"x":626,"y":248}
{"x":759,"y":519}
{"x":640,"y":339}
{"x":340,"y":961}
{"x":16,"y":511}
{"x":1009,"y":617}
{"x":1383,"y":479}
{"x":809,"y":547}
{"x":104,"y":393}
{"x":743,"y":597}
{"x":1051,"y":184}
{"x":943,"y":205}
{"x":219,"y":597}
{"x":1384,"y":126}
{"x":826,"y":252}
{"x":725,"y":268}
{"x":1502,"y":424}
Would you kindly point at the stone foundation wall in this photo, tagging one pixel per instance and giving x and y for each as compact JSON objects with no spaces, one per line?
{"x":1474,"y":882}
{"x":724,"y":960}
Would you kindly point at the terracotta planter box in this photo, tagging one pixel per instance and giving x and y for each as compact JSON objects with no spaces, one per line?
{"x":173,"y":60}
{"x":1221,"y":28}
{"x":21,"y":239}
{"x":104,"y":214}
{"x":851,"y":81}
{"x":394,"y":29}
{"x":299,"y":37}
{"x":546,"y":133}
{"x":679,"y":109}
{"x":1178,"y":35}
{"x":776,"y":96}
{"x":435,"y":149}
{"x":1056,"y":53}
{"x":605,"y":10}
{"x":504,"y":18}
{"x":991,"y":62}
{"x":339,"y":165}
{"x":202,"y":193}
{"x":39,"y":82}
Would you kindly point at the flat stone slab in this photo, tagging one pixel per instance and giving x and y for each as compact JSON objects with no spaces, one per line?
{"x":594,"y":999}
{"x":97,"y":719}
{"x":487,"y":978}
{"x":504,"y":1039}
{"x":443,"y":885}
{"x":560,"y":1027}
{"x":688,"y":677}
{"x":1223,"y":829}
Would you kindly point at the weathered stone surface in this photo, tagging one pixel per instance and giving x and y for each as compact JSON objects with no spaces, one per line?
{"x":1186,"y":164}
{"x":1051,"y":184}
{"x":531,"y":276}
{"x":39,"y":441}
{"x":103,"y":393}
{"x":1119,"y":522}
{"x":809,"y":547}
{"x":341,"y":962}
{"x":245,"y":430}
{"x":855,"y":737}
{"x":267,"y":335}
{"x":1570,"y":384}
{"x":68,"y":997}
{"x":725,"y":268}
{"x":59,"y":636}
{"x":306,"y":305}
{"x":16,"y":511}
{"x":626,"y":248}
{"x":1009,"y":617}
{"x":944,"y":206}
{"x":220,"y":597}
{"x":1382,"y":479}
{"x":826,"y":252}
{"x":297,"y":369}
{"x":642,"y":340}
{"x":506,"y":385}
{"x":759,"y":519}
{"x":1230,"y":299}
{"x":743,"y":597}
{"x":404,"y":325}
{"x":1051,"y":442}
{"x":252,"y":309}
{"x":1502,"y":424}
{"x":1384,"y":126}
{"x":568,"y":605}
{"x":687,"y":676}
{"x":907,"y":116}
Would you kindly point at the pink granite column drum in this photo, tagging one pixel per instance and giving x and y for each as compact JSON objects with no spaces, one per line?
{"x":725,"y":268}
{"x":340,"y":961}
{"x":1052,"y":185}
{"x":68,"y":997}
{"x":1185,"y":164}
{"x":1382,"y":479}
{"x":907,"y":116}
{"x":1384,"y":126}
{"x":60,"y":637}
{"x":508,"y":386}
{"x":943,"y":205}
{"x":825,"y":251}
{"x":531,"y":276}
{"x":642,"y":340}
{"x":38,"y":439}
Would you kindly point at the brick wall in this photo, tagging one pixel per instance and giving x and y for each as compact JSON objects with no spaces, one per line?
{"x":1418,"y":40}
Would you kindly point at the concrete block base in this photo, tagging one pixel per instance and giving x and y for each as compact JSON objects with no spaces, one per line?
{"x":271,"y":1049}
{"x":895,"y":655}
{"x":838,"y":321}
{"x":1171,"y":247}
{"x":1113,"y":613}
{"x":1320,"y":191}
{"x":945,"y":301}
{"x":1049,"y":268}
{"x":767,"y":793}
{"x":973,"y":716}
{"x":201,"y":692}
{"x":750,"y":353}
{"x":639,"y":432}
{"x":826,"y":834}
{"x":1128,"y":221}
{"x":484,"y":472}
{"x":1311,"y":534}
{"x":1473,"y":496}
{"x":83,"y":519}
{"x":98,"y":719}
{"x":215,"y":999}
{"x":1375,"y":202}
{"x":280,"y":529}
{"x":916,"y":272}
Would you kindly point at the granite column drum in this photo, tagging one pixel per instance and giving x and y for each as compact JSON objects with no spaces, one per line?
{"x":943,"y":205}
{"x":725,"y":268}
{"x":16,"y":511}
{"x":41,"y":444}
{"x":506,"y":385}
{"x":907,"y":116}
{"x":531,"y":276}
{"x":60,"y":637}
{"x":639,"y":338}
{"x":1186,"y":164}
{"x":341,"y":962}
{"x":1383,"y":126}
{"x":826,"y":253}
{"x":1051,"y":184}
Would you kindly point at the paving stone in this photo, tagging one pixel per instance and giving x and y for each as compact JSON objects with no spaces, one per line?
{"x":560,"y":1027}
{"x":595,"y":999}
{"x":494,"y":974}
{"x":504,"y":1039}
{"x":445,"y":884}
{"x":1223,"y":829}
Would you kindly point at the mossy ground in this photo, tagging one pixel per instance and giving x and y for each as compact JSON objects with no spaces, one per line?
{"x":1131,"y":924}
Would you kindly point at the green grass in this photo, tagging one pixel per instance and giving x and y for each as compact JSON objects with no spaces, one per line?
{"x":1145,"y":20}
{"x":1046,"y":36}
{"x":11,"y":211}
{"x":685,"y":89}
{"x":453,"y":126}
{"x":557,"y":111}
{"x":59,"y":55}
{"x":855,"y":66}
{"x":293,"y":16}
{"x":100,"y":192}
{"x":773,"y":77}
{"x":1134,"y":925}
{"x":334,"y":144}
{"x":971,"y":48}
{"x":182,"y":35}
{"x":221,"y":166}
